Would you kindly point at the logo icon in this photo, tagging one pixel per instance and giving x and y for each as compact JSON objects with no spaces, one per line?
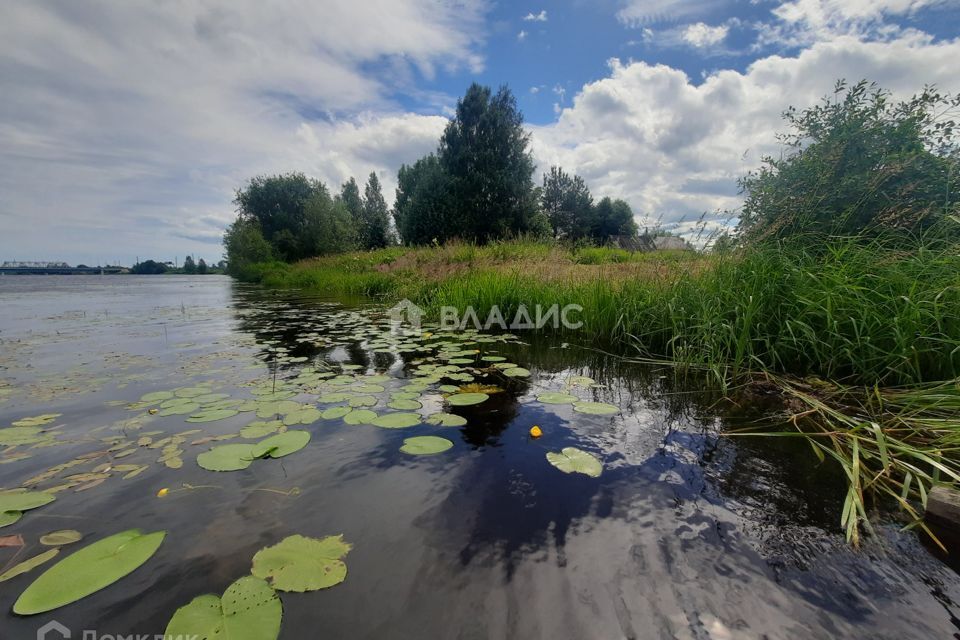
{"x":53,"y":630}
{"x":405,"y":310}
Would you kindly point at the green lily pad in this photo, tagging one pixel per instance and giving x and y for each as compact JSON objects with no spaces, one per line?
{"x":227,"y":457}
{"x":260,"y":429}
{"x":360,"y":416}
{"x":9,"y":517}
{"x":362,"y":401}
{"x":29,"y":564}
{"x":493,"y":359}
{"x":580,"y":381}
{"x":425,"y":445}
{"x":308,"y":415}
{"x":517,"y":372}
{"x":466,"y":399}
{"x":404,"y":405}
{"x":553,"y":397}
{"x":335,"y":413}
{"x":191,"y":392}
{"x":179,"y":409}
{"x":596,"y":408}
{"x":21,"y":435}
{"x":573,"y":460}
{"x":23,"y":500}
{"x":213,"y":416}
{"x":156,"y":396}
{"x":446,"y":420}
{"x":399,"y":420}
{"x":249,"y":610}
{"x":89,"y":570}
{"x":303,"y":564}
{"x":282,"y":444}
{"x":336,"y":396}
{"x":60,"y":538}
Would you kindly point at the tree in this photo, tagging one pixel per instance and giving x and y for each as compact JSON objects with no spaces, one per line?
{"x":484,"y":152}
{"x":421,"y":210}
{"x":857,"y":164}
{"x":612,"y":218}
{"x":202,"y":267}
{"x":350,"y":197}
{"x":245,"y":245}
{"x":375,"y":232}
{"x":329,"y":227}
{"x":278,"y":204}
{"x":567,"y":203}
{"x":189,"y":266}
{"x":148,"y":267}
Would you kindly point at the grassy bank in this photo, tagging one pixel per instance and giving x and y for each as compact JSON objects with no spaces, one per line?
{"x":880,"y":321}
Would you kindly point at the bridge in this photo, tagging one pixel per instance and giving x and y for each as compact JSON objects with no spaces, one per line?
{"x":61,"y":270}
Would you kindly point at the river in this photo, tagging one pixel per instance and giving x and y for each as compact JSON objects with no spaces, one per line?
{"x":684,"y":534}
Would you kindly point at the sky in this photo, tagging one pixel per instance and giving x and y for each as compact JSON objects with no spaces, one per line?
{"x":126,"y":126}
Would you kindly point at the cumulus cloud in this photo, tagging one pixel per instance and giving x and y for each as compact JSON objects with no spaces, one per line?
{"x":536,"y":17}
{"x":674,"y":149}
{"x":139,"y":121}
{"x":639,"y":13}
{"x":703,"y":35}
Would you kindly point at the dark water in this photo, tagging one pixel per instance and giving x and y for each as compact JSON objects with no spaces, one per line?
{"x":684,"y":535}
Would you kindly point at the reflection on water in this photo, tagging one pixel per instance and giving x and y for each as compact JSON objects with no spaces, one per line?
{"x":685,"y":534}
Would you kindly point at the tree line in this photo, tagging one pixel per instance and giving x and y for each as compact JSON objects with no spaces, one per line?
{"x":477,"y":186}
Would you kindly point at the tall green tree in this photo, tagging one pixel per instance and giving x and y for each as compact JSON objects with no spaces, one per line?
{"x":245,"y":245}
{"x":567,"y":203}
{"x":189,"y":266}
{"x":329,"y":226}
{"x":278,"y":204}
{"x":612,"y":218}
{"x":422,"y":210}
{"x":202,"y":266}
{"x":375,"y":232}
{"x":485,"y":154}
{"x":857,"y":163}
{"x":350,"y":196}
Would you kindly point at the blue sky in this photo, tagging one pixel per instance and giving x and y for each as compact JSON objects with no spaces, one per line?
{"x":126,"y":127}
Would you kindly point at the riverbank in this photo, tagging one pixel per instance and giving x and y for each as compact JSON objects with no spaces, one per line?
{"x":880,"y":321}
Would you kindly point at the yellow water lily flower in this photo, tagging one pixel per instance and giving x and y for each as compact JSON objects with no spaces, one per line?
{"x":535,"y":431}
{"x":163,"y":492}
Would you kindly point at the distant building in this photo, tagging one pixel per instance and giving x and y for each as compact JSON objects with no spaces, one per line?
{"x":34,"y":265}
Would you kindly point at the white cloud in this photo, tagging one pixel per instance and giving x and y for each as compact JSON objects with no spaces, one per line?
{"x":673,"y":148}
{"x":522,"y":35}
{"x":703,"y":35}
{"x":536,"y":17}
{"x":136,"y":122}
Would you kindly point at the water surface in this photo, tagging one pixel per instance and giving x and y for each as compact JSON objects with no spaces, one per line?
{"x":686,"y":534}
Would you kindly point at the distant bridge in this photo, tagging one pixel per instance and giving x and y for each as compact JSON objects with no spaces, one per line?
{"x":61,"y":271}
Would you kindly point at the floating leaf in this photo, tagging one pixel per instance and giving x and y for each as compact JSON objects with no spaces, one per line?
{"x":303,"y":564}
{"x":213,"y":415}
{"x":573,"y":460}
{"x":335,"y":413}
{"x":260,"y":429}
{"x":557,"y":398}
{"x":282,"y":444}
{"x":362,"y":401}
{"x":330,"y":398}
{"x":156,"y":396}
{"x":596,"y":408}
{"x":29,"y":565}
{"x":179,"y":409}
{"x":21,"y":435}
{"x":580,"y":381}
{"x":425,"y":445}
{"x":360,"y":416}
{"x":59,"y":538}
{"x":404,"y":405}
{"x":517,"y":372}
{"x":249,"y":610}
{"x":307,"y":415}
{"x":465,"y":399}
{"x":446,"y":420}
{"x":397,"y":420}
{"x":23,"y":500}
{"x":89,"y":570}
{"x":227,"y":457}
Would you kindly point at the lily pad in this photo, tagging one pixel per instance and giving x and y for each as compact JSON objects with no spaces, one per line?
{"x":23,"y":500}
{"x":596,"y":408}
{"x":553,"y":397}
{"x":425,"y":445}
{"x":303,"y":564}
{"x":212,"y":416}
{"x":573,"y":460}
{"x":446,"y":420}
{"x":360,"y":416}
{"x":307,"y":415}
{"x":21,"y":435}
{"x":362,"y":401}
{"x":398,"y":420}
{"x":260,"y":429}
{"x":249,"y":610}
{"x":466,"y":399}
{"x":227,"y":457}
{"x":517,"y":372}
{"x":60,"y":538}
{"x":156,"y":396}
{"x":9,"y":517}
{"x":29,"y":565}
{"x":335,"y":413}
{"x":89,"y":570}
{"x":404,"y":405}
{"x":282,"y":444}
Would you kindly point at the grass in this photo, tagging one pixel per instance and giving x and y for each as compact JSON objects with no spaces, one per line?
{"x":880,"y":321}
